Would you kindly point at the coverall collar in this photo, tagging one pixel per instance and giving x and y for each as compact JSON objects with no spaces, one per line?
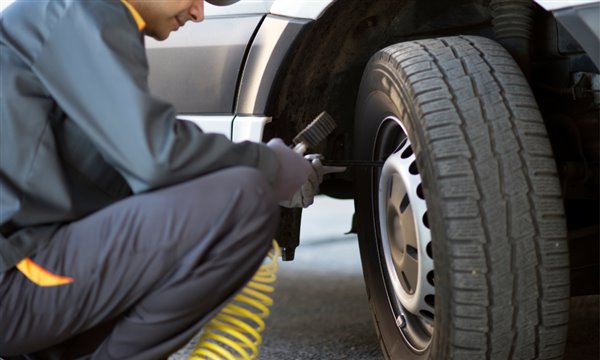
{"x":141,"y":24}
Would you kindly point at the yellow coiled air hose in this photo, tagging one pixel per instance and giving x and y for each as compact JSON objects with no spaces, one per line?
{"x":234,"y":333}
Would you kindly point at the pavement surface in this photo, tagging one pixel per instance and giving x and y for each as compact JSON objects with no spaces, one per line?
{"x":321,"y":309}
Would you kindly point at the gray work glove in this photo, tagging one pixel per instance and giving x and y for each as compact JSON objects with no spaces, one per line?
{"x":305,"y":196}
{"x":292,"y":173}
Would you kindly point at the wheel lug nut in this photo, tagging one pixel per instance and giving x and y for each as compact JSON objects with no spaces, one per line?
{"x":400,"y":321}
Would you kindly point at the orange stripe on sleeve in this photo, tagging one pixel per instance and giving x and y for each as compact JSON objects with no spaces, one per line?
{"x":40,"y":276}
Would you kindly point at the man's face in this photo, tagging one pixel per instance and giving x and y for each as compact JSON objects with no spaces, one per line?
{"x":164,"y":16}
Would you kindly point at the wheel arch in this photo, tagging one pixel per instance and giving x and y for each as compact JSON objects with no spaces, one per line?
{"x":324,"y":69}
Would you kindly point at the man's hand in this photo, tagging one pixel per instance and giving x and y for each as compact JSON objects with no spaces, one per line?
{"x":292,"y":173}
{"x":305,"y":196}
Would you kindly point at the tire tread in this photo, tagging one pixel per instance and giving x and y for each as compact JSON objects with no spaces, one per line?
{"x":473,"y":116}
{"x":487,"y":89}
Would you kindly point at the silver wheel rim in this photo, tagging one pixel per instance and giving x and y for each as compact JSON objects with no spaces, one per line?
{"x":406,"y":245}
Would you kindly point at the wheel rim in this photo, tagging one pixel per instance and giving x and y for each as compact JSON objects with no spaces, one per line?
{"x":405,"y":238}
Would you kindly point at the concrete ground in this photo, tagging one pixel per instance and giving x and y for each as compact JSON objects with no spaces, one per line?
{"x":320,"y":306}
{"x":321,"y":309}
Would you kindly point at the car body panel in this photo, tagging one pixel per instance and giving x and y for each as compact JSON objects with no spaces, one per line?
{"x":248,"y":127}
{"x":583,"y":23}
{"x":242,"y":7}
{"x":561,"y":4}
{"x":236,"y":128}
{"x":269,"y":49}
{"x":302,"y":9}
{"x":305,"y":9}
{"x":234,"y":64}
{"x":199,"y":74}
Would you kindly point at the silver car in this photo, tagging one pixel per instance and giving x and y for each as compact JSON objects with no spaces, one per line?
{"x":470,"y":130}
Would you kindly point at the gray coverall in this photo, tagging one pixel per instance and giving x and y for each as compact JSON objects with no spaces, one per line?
{"x":140,"y":224}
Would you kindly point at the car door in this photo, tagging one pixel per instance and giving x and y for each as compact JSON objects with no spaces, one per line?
{"x":197,"y":67}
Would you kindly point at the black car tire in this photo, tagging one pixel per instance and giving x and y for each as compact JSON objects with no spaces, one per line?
{"x":462,"y":232}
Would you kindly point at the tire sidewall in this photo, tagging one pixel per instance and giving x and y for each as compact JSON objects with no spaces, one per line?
{"x":376,"y":103}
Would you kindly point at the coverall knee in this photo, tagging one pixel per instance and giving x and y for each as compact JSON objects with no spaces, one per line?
{"x":149,"y":271}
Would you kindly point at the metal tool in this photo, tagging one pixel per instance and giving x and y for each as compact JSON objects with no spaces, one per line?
{"x":317,"y":131}
{"x":314,"y":133}
{"x":352,"y":163}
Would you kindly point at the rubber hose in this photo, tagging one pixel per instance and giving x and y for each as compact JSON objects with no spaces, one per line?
{"x":235,"y":332}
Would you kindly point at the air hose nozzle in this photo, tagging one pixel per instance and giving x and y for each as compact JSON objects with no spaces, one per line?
{"x":314,"y":133}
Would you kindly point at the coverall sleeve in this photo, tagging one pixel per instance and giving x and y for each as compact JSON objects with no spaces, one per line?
{"x":94,"y":66}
